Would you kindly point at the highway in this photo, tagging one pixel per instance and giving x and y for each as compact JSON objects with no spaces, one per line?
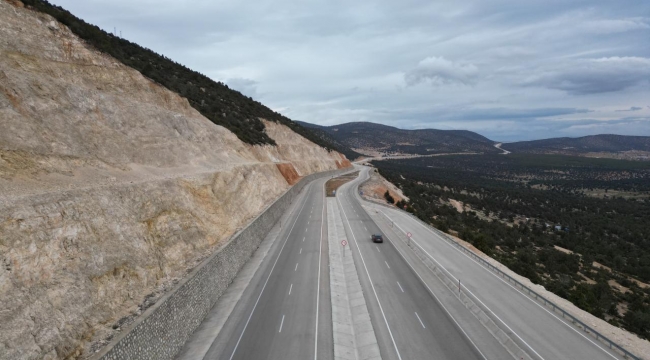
{"x":408,"y":320}
{"x":285,"y":312}
{"x":541,"y":333}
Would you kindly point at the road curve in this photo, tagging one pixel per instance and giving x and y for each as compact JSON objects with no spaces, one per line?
{"x":408,"y":320}
{"x":542,"y":334}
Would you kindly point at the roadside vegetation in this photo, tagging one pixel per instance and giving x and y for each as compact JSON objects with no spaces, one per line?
{"x":536,"y":214}
{"x":214,"y":100}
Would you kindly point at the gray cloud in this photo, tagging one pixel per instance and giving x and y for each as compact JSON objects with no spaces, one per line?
{"x":633,"y":108}
{"x":596,"y":75}
{"x":440,"y":71}
{"x":496,"y":67}
{"x":247,"y":87}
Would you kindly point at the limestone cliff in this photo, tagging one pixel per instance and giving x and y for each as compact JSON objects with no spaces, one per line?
{"x":111,"y":187}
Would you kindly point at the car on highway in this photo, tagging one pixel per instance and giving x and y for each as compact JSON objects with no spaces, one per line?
{"x":378,"y":238}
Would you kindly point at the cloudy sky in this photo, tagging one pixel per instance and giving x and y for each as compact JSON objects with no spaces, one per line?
{"x":508,"y":69}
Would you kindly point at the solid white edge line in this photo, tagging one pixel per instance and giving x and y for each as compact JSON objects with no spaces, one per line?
{"x":439,"y":302}
{"x":505,"y":282}
{"x":268,"y":277}
{"x":281,"y":323}
{"x":371,"y":284}
{"x":455,"y":279}
{"x":436,"y":297}
{"x":320,"y":256}
{"x":421,"y":323}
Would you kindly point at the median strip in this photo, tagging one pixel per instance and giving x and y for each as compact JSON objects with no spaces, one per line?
{"x":354,"y":336}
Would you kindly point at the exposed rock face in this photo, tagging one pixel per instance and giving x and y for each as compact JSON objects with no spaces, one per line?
{"x":111,"y":187}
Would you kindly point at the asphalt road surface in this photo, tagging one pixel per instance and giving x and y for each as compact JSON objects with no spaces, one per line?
{"x":541,"y":333}
{"x":408,"y":320}
{"x":285,"y":312}
{"x":286,"y":308}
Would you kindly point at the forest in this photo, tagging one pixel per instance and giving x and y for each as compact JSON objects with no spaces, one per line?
{"x":214,"y":100}
{"x":537,"y":214}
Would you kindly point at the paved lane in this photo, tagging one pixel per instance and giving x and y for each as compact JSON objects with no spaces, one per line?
{"x":543,"y":334}
{"x":278,"y":317}
{"x":409,"y":321}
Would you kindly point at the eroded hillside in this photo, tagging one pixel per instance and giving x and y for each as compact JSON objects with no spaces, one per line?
{"x":111,"y":187}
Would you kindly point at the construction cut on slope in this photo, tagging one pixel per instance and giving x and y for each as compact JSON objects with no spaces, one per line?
{"x":111,"y":188}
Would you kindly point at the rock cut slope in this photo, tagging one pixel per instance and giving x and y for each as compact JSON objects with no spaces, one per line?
{"x":111,"y":187}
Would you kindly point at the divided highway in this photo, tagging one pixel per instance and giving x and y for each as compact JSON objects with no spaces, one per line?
{"x":541,"y":333}
{"x":410,"y":323}
{"x":285,"y":312}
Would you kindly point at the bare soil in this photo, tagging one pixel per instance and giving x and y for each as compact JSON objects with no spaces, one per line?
{"x":333,"y":184}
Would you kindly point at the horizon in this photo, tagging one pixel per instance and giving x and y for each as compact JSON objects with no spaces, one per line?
{"x":543,"y":71}
{"x":498,"y":141}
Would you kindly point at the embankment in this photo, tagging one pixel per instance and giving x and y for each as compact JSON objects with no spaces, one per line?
{"x":112,"y":189}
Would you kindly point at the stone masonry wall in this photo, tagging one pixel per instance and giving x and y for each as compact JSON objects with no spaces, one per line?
{"x":163,"y":329}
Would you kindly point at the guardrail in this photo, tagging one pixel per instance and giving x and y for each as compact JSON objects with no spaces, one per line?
{"x":532,"y":293}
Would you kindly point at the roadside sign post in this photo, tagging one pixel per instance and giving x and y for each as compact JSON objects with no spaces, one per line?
{"x":408,"y":234}
{"x":344,"y":242}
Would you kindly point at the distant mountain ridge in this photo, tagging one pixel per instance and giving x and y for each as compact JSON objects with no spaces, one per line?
{"x":618,"y":146}
{"x":371,"y":138}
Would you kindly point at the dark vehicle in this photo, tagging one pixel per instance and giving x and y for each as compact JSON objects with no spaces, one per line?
{"x":377,"y":238}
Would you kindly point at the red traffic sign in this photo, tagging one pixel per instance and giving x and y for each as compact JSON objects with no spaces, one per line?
{"x":344,"y":242}
{"x":409,"y":234}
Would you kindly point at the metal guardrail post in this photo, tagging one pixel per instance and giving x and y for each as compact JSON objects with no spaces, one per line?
{"x":600,"y":337}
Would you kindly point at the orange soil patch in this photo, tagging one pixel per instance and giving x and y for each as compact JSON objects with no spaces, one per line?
{"x":289,"y":172}
{"x":344,"y":163}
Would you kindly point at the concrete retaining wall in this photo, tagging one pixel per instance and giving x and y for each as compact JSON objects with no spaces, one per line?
{"x":162,"y":330}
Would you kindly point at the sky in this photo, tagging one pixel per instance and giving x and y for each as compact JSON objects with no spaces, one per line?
{"x":507,"y":69}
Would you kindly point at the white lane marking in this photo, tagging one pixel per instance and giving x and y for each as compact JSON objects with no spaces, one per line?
{"x":400,"y":286}
{"x":364,"y":226}
{"x":300,"y":250}
{"x":455,"y":280}
{"x":267,"y":281}
{"x":281,"y":323}
{"x":303,"y":239}
{"x":290,"y":287}
{"x":305,"y":229}
{"x":320,"y":256}
{"x":387,"y":264}
{"x":296,"y":267}
{"x":421,"y":323}
{"x":371,"y":284}
{"x":505,"y":282}
{"x":377,"y":248}
{"x":438,"y":300}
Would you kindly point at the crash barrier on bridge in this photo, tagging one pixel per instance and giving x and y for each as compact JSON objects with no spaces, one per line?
{"x":532,"y":293}
{"x":163,"y":329}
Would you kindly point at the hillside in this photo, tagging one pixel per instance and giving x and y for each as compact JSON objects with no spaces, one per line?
{"x":214,"y":100}
{"x":321,"y":132}
{"x":612,"y":146}
{"x":112,"y":187}
{"x":372,"y":139}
